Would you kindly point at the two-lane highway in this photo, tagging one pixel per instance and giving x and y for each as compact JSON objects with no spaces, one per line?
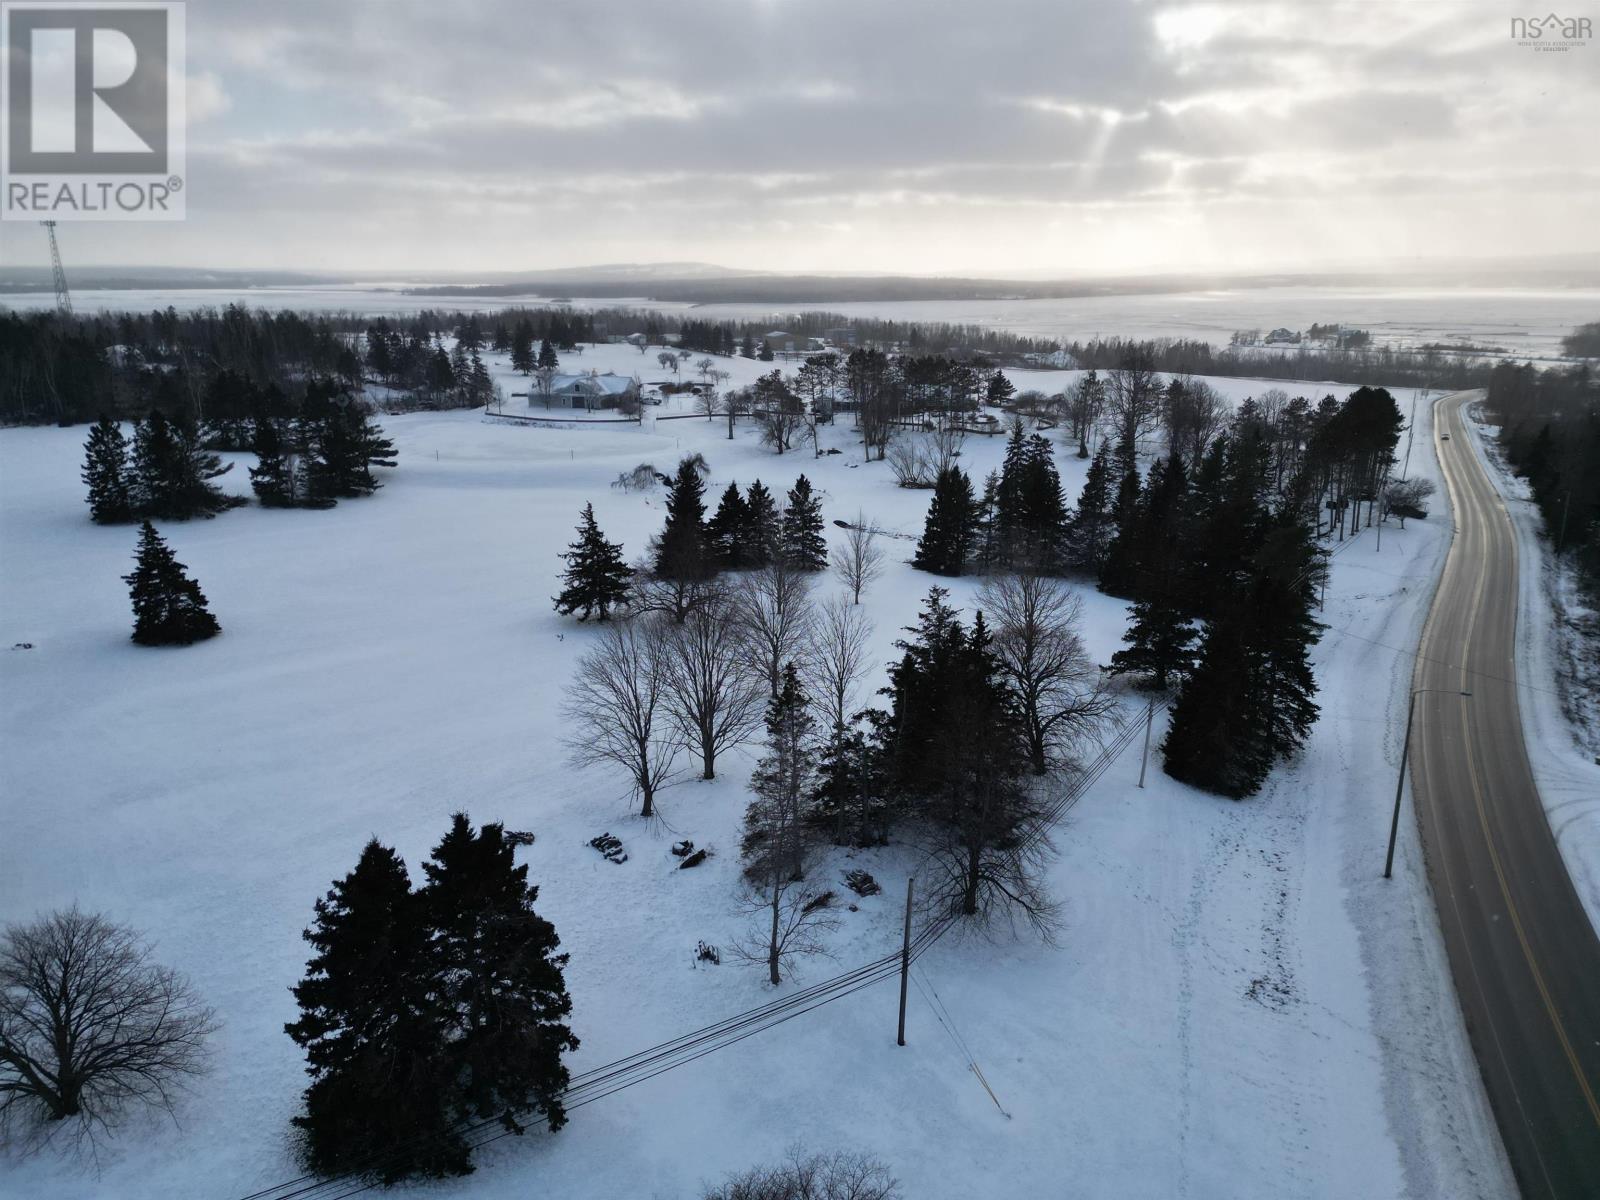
{"x":1525,"y":958}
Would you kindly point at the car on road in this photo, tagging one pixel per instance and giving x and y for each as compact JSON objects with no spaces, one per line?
{"x":1444,"y":437}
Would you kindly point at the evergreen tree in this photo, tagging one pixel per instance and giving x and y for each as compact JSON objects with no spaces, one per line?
{"x":947,"y":535}
{"x":1161,"y":641}
{"x":1251,"y":698}
{"x":481,"y":383}
{"x":497,"y":980}
{"x":804,"y":547}
{"x":105,"y":473}
{"x":682,"y":552}
{"x":1091,"y":529}
{"x":173,"y":470}
{"x":1043,"y":509}
{"x":1213,"y":741}
{"x":343,"y":442}
{"x":849,"y":794}
{"x":1287,"y":566}
{"x":547,"y":356}
{"x":522,"y":358}
{"x":777,"y":838}
{"x":986,"y":553}
{"x":169,"y":609}
{"x":726,"y":531}
{"x":1010,"y":518}
{"x":272,"y":478}
{"x":1000,"y":390}
{"x":596,"y":578}
{"x":374,"y":1033}
{"x":762,"y":535}
{"x":1149,"y":555}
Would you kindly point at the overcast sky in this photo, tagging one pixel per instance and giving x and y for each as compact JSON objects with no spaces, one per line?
{"x":986,"y":137}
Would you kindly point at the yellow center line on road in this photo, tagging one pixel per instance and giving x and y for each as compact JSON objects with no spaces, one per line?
{"x":1469,"y":745}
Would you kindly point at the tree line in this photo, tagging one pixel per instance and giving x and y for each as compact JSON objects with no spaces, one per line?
{"x":1217,"y":546}
{"x":1550,"y":431}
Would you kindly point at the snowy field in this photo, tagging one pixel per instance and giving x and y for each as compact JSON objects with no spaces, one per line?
{"x":1240,"y":1005}
{"x":1526,"y":322}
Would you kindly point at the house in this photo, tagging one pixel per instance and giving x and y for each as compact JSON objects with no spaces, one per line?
{"x":1051,"y":358}
{"x":780,"y":342}
{"x":588,"y":391}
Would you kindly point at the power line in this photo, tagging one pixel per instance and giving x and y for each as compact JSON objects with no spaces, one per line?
{"x":641,"y":1066}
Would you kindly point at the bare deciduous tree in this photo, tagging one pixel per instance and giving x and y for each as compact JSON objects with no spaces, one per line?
{"x":858,"y":560}
{"x":1132,"y":397}
{"x":774,"y":610}
{"x":836,"y":658}
{"x":1059,"y":689}
{"x":615,"y":708}
{"x":712,"y":696}
{"x":842,"y":1175}
{"x":918,"y":459}
{"x":90,"y":1028}
{"x":1193,"y":414}
{"x":1408,"y":497}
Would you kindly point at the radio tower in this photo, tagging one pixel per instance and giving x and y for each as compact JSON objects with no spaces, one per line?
{"x":63,"y":297}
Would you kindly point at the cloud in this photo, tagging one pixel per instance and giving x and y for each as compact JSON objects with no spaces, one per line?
{"x":839,"y":135}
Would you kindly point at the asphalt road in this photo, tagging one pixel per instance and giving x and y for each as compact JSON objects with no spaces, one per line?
{"x":1525,"y":958}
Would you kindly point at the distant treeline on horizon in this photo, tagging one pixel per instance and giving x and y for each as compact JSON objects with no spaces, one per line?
{"x":66,"y":368}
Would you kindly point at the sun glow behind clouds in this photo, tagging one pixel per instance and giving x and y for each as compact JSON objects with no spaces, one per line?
{"x":1065,"y":134}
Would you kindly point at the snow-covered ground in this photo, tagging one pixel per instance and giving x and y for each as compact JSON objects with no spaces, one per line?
{"x":1526,"y":322}
{"x":1239,"y":1007}
{"x":1558,"y":667}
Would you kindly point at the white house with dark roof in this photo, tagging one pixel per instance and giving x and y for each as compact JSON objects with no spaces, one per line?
{"x":591,"y":390}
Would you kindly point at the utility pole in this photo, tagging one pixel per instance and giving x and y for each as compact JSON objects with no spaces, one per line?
{"x":1399,"y":787}
{"x":905,"y":965}
{"x":1561,"y":541}
{"x":1144,"y":755}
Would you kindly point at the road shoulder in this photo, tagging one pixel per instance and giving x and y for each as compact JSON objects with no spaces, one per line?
{"x":1566,"y":772}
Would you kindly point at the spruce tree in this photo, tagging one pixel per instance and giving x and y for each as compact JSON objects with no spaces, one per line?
{"x":1091,"y":529}
{"x":986,"y":551}
{"x":1010,"y":519}
{"x":947,"y":535}
{"x":172,"y":470}
{"x":374,"y":1029}
{"x":682,"y":552}
{"x":1044,"y":509}
{"x":1287,"y":565}
{"x":548,"y":359}
{"x":498,"y":980}
{"x":726,"y":531}
{"x":343,"y":442}
{"x":522,"y":357}
{"x":105,"y":473}
{"x":1000,"y":390}
{"x":272,"y":478}
{"x":482,"y":384}
{"x":169,"y":609}
{"x":1214,"y":741}
{"x":849,"y":797}
{"x":762,"y":536}
{"x":804,"y":547}
{"x":596,"y":578}
{"x":1160,"y":642}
